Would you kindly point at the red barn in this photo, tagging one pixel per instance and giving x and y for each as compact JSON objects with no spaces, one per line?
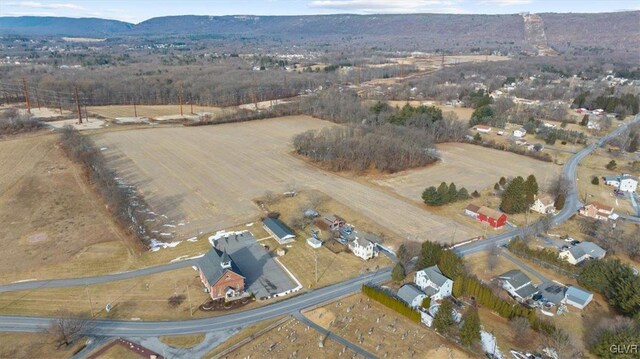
{"x":495,"y":219}
{"x":220,"y":275}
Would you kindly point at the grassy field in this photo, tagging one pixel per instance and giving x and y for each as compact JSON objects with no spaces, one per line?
{"x":381,"y":331}
{"x":120,"y":352}
{"x":51,"y":220}
{"x":291,"y":339}
{"x":153,"y":111}
{"x":34,"y":345}
{"x":247,"y":333}
{"x":207,"y":177}
{"x":470,"y":166}
{"x":463,"y":113}
{"x":594,"y":165}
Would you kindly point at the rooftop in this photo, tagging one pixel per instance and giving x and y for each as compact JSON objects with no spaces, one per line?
{"x":515,"y":277}
{"x":490,"y":212}
{"x":277,"y":227}
{"x":434,"y":274}
{"x":211,"y":265}
{"x":578,"y":295}
{"x":409,"y":292}
{"x":589,"y":248}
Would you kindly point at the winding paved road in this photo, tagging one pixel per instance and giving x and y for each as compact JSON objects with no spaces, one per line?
{"x":286,"y":307}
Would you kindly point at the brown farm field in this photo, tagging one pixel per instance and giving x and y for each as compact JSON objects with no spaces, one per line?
{"x":207,"y":177}
{"x":35,"y":345}
{"x":470,"y":166}
{"x":51,"y":221}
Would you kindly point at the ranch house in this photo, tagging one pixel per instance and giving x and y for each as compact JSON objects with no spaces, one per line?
{"x":220,"y":276}
{"x":581,"y":252}
{"x":598,"y":211}
{"x":624,"y":182}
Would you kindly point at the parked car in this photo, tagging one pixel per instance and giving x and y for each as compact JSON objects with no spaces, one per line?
{"x":569,"y":239}
{"x":575,"y":242}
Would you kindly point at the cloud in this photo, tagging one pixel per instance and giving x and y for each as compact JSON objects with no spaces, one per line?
{"x":39,"y":5}
{"x":506,"y":2}
{"x":386,"y":6}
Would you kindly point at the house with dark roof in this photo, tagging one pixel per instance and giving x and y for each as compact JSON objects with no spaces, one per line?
{"x":623,"y":182}
{"x":411,"y":295}
{"x":433,"y":283}
{"x":577,"y":297}
{"x":278,"y":230}
{"x":581,"y":252}
{"x":518,"y":285}
{"x":220,"y":275}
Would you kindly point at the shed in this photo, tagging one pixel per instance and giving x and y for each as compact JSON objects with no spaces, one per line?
{"x":280,"y":231}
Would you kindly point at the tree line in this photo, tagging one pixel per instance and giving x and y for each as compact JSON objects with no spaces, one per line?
{"x":616,"y":282}
{"x":12,"y":122}
{"x":444,"y":194}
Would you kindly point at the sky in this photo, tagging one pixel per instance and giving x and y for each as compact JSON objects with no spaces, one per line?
{"x":140,"y":10}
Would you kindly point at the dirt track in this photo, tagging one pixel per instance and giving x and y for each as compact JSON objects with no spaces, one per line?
{"x":208,"y":176}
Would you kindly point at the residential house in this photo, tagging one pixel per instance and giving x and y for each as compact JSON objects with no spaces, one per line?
{"x":220,"y":275}
{"x":493,"y":218}
{"x":483,"y":128}
{"x":543,"y":205}
{"x":411,"y":295}
{"x":624,"y":182}
{"x":598,"y":211}
{"x":521,"y":132}
{"x":433,"y":283}
{"x":517,"y":284}
{"x":333,"y":222}
{"x":577,"y":297}
{"x":363,"y":248}
{"x":278,"y":230}
{"x":581,"y":252}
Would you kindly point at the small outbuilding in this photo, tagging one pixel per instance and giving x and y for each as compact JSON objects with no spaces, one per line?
{"x":314,"y":242}
{"x":411,"y":295}
{"x":278,"y":230}
{"x":577,"y":297}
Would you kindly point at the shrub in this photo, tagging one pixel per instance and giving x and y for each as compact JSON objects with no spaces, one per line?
{"x":595,"y":180}
{"x":611,"y":165}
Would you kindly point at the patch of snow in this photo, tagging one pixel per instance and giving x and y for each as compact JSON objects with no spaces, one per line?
{"x":489,"y":344}
{"x":192,"y":239}
{"x":166,"y":234}
{"x":221,"y":234}
{"x":156,"y":245}
{"x":249,"y":224}
{"x":169,"y":225}
{"x":103,"y":148}
{"x":185,"y":257}
{"x":24,"y":280}
{"x":181,"y":224}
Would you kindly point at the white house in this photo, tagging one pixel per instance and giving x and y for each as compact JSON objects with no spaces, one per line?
{"x":433,"y":283}
{"x":543,"y":205}
{"x":598,"y":211}
{"x":577,"y":297}
{"x":518,"y":285}
{"x":624,"y":182}
{"x":363,"y":248}
{"x":521,"y":132}
{"x":411,"y":295}
{"x":581,"y":252}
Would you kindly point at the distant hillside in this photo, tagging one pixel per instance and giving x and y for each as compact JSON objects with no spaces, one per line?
{"x":62,"y":26}
{"x":426,"y":32}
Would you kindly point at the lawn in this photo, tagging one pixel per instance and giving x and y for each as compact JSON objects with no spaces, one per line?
{"x":34,"y":345}
{"x":183,"y":341}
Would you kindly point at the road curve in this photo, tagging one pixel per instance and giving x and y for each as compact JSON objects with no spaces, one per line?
{"x":116,"y":328}
{"x":572,"y":202}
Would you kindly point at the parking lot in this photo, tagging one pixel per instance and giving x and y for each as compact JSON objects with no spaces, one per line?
{"x":263,"y":275}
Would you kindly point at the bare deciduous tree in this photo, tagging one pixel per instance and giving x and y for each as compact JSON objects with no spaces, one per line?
{"x":492,"y":258}
{"x":67,"y":327}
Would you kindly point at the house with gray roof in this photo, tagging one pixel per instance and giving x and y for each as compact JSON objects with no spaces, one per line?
{"x":577,"y":297}
{"x":411,"y":295}
{"x":363,"y":247}
{"x":433,"y":283}
{"x":518,"y":285}
{"x":581,"y":252}
{"x":623,"y":182}
{"x":278,"y":230}
{"x":220,"y":275}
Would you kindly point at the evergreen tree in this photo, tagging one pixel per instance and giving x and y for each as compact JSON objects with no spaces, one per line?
{"x":559,"y":203}
{"x":612,"y":165}
{"x":450,"y":264}
{"x":595,"y":180}
{"x":475,"y":194}
{"x":443,"y":193}
{"x":585,"y":120}
{"x":463,"y":194}
{"x":398,"y":274}
{"x":443,"y":320}
{"x":430,"y":196}
{"x":430,"y":254}
{"x":452,"y":195}
{"x":477,"y":137}
{"x":496,"y":186}
{"x":470,"y":333}
{"x":531,"y":189}
{"x":514,"y":197}
{"x":502,"y":181}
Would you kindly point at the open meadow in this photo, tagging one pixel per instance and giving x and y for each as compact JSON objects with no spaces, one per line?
{"x":470,"y":166}
{"x":207,"y":177}
{"x":51,"y":220}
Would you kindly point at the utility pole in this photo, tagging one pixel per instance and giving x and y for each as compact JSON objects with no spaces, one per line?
{"x":180,"y":96}
{"x":135,"y":109}
{"x":191,"y":103}
{"x":442,"y":62}
{"x":89,"y":299}
{"x":59,"y":103}
{"x":26,"y":95}
{"x":75,"y":89}
{"x":37,"y":98}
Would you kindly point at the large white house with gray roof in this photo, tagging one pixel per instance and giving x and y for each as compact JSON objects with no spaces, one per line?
{"x":363,"y":248}
{"x":581,"y":252}
{"x":433,"y":283}
{"x":518,"y":285}
{"x":623,"y":182}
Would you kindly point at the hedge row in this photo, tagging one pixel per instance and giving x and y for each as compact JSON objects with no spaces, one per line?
{"x":391,"y":302}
